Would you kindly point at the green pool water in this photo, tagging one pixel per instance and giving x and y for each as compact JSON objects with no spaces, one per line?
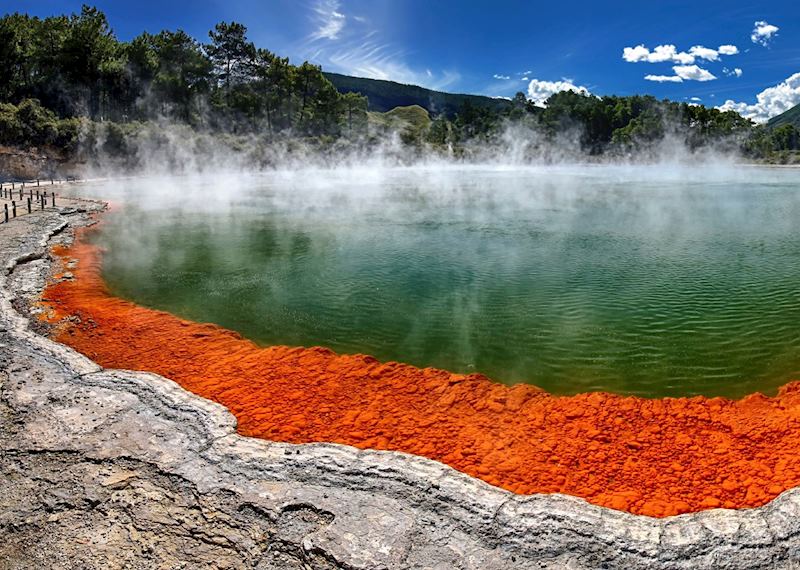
{"x":653,"y":281}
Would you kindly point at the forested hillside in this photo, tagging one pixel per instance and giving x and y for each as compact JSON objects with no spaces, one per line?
{"x":386,"y":95}
{"x":790,"y":117}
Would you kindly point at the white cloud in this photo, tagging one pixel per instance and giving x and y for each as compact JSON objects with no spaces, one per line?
{"x":668,"y":52}
{"x":762,"y":32}
{"x":330,"y":22}
{"x":636,"y":54}
{"x":502,"y":77}
{"x":539,"y":91}
{"x":770,"y":102}
{"x":701,"y":52}
{"x":525,"y":78}
{"x":683,"y":73}
{"x":736,"y":71}
{"x":693,"y":73}
{"x":695,"y":99}
{"x":660,"y":54}
{"x":664,"y":78}
{"x":682,"y":57}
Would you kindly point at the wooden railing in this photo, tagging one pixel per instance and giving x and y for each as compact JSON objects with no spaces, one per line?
{"x":19,"y":197}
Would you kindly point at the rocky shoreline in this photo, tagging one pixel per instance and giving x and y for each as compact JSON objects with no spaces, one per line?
{"x":114,"y":469}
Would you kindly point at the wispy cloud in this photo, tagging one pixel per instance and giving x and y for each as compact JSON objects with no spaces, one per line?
{"x":329,"y":20}
{"x":763,"y":32}
{"x":349,"y":44}
{"x":371,"y":58}
{"x":501,"y":77}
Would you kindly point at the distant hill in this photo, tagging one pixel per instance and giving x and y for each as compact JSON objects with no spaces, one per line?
{"x":413,"y":117}
{"x":411,"y":122}
{"x":386,"y":95}
{"x":790,"y":117}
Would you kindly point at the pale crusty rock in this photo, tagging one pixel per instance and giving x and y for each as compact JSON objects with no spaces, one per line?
{"x":118,"y":469}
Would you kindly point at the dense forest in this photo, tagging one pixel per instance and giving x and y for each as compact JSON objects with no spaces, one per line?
{"x":75,"y":67}
{"x":67,"y":82}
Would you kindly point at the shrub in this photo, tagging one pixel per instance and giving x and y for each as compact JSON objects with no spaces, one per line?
{"x":29,"y":125}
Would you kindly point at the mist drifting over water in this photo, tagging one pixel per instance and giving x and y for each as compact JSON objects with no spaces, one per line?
{"x":667,"y":279}
{"x":164,"y":147}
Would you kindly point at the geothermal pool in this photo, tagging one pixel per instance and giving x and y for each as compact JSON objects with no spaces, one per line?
{"x":653,"y":281}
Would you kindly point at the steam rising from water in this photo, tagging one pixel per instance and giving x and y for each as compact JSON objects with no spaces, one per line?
{"x":662,"y":279}
{"x":167,"y":148}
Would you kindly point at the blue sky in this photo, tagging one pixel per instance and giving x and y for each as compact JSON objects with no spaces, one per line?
{"x":745,"y":53}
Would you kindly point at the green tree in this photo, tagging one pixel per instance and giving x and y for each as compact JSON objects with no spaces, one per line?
{"x":88,"y":56}
{"x":183,"y":73}
{"x":16,"y":55}
{"x":232,"y":55}
{"x":786,"y":137}
{"x":440,"y":131}
{"x":355,"y":112}
{"x":274,"y":80}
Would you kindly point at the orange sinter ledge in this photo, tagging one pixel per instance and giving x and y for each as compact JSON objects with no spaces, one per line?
{"x":655,"y":457}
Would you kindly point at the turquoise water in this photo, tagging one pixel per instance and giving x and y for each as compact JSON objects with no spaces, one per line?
{"x":649,"y":281}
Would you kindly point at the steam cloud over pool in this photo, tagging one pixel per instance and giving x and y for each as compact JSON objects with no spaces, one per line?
{"x":650,"y":280}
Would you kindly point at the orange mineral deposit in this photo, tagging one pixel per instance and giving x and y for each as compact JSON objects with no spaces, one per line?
{"x":654,"y":457}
